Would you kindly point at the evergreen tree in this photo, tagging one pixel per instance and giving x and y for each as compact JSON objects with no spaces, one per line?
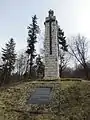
{"x":8,"y":57}
{"x":40,"y":67}
{"x":62,"y":39}
{"x":62,"y":48}
{"x":33,"y":30}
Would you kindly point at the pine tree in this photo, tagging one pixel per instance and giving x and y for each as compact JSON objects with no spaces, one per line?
{"x":33,"y":30}
{"x":62,"y":39}
{"x":8,"y":57}
{"x":62,"y":48}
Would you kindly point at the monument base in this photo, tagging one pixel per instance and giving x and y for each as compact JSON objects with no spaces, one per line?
{"x":51,"y":78}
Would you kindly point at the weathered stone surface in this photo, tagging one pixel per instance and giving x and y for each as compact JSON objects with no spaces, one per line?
{"x":51,"y":60}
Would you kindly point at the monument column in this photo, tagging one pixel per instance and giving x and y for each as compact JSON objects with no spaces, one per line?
{"x":51,"y":47}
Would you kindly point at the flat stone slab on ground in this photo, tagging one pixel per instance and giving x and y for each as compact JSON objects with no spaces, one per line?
{"x":40,"y":96}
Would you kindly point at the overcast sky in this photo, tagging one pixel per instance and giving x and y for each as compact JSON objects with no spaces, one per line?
{"x":15,"y":15}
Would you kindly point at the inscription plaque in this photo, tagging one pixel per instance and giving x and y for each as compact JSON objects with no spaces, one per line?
{"x":41,"y":96}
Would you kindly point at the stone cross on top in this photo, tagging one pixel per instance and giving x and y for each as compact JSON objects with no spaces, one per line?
{"x":49,"y":20}
{"x":51,"y":13}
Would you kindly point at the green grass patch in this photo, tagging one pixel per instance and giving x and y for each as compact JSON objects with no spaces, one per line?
{"x":71,"y":79}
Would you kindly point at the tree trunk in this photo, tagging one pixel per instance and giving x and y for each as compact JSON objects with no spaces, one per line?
{"x":31,"y":63}
{"x":60,"y":72}
{"x":30,"y":72}
{"x":86,"y":70}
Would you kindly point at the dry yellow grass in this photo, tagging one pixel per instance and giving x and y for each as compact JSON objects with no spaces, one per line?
{"x":72,"y":96}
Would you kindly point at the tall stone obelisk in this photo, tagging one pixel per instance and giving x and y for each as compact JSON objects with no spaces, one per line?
{"x":51,"y":47}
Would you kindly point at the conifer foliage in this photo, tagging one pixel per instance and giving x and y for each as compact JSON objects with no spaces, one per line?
{"x":40,"y":67}
{"x":62,"y":49}
{"x":62,"y":39}
{"x":33,"y":30}
{"x":8,"y":57}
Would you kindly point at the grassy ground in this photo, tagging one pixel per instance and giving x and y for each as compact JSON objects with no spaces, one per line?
{"x":71,"y":101}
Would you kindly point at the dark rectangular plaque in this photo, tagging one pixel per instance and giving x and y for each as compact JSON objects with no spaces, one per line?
{"x":50,"y":24}
{"x":40,"y":96}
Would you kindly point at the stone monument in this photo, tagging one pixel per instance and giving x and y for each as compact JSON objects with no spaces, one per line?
{"x":51,"y":47}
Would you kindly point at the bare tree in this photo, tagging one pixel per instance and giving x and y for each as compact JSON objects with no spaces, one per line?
{"x":64,"y":59}
{"x":21,"y":64}
{"x":79,"y":50}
